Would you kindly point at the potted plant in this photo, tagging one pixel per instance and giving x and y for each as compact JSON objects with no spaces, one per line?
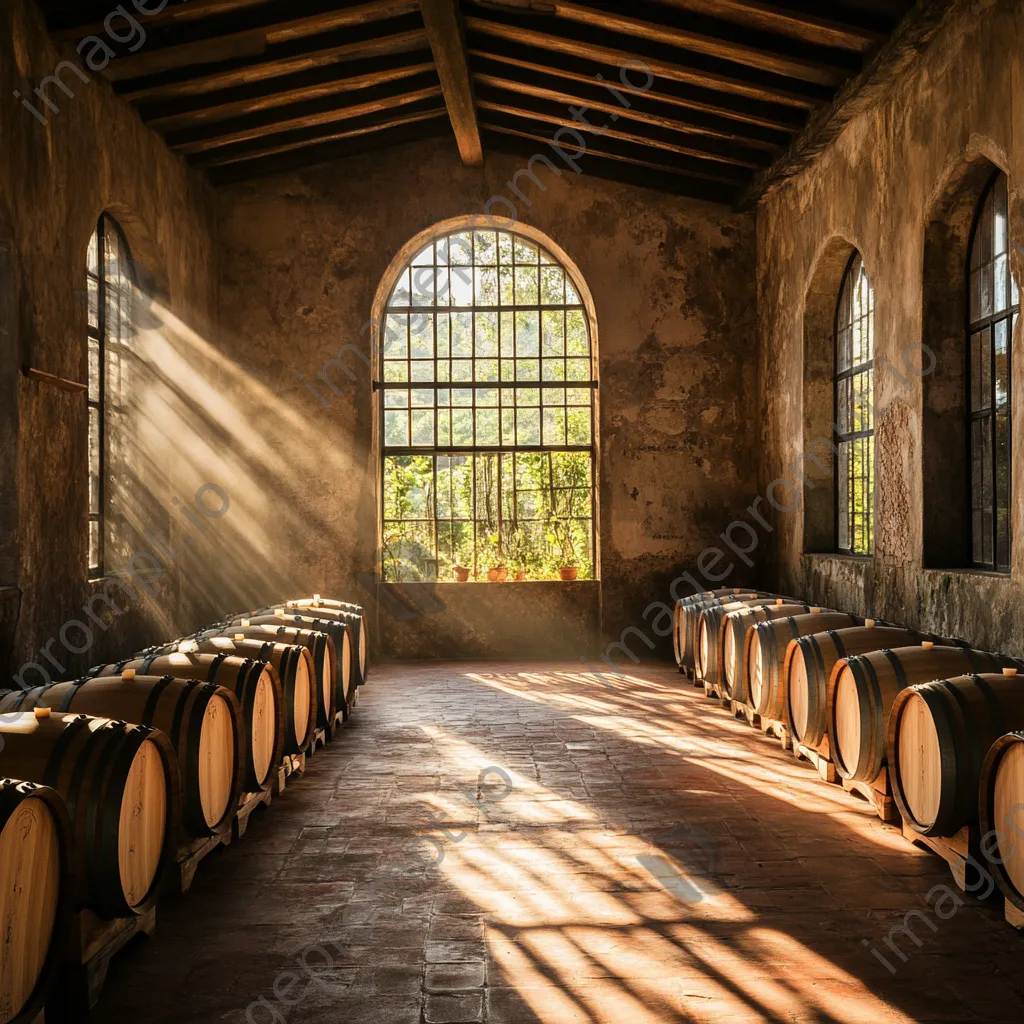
{"x":568,"y":568}
{"x":461,"y":574}
{"x":497,"y":573}
{"x":517,"y":553}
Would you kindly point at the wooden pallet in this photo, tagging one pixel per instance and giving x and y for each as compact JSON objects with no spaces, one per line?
{"x":822,"y":764}
{"x":955,"y":851}
{"x":714,"y":691}
{"x":319,"y":740}
{"x":878,"y":794}
{"x":777,"y":730}
{"x":740,"y":710}
{"x":94,"y":943}
{"x":192,"y":854}
{"x":246,"y":805}
{"x":292,"y":764}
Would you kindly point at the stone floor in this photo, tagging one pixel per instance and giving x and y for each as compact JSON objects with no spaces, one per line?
{"x":524,"y":843}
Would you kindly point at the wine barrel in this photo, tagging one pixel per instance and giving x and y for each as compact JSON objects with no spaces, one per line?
{"x":732,"y":641}
{"x":341,"y":633}
{"x":686,"y":615}
{"x":709,"y":625}
{"x":939,"y":735}
{"x":321,"y":650}
{"x":351,"y":613}
{"x":120,"y":785}
{"x":203,"y":721}
{"x":1001,"y":815}
{"x":862,"y":689}
{"x":810,"y":660}
{"x":765,"y":656}
{"x":254,"y":683}
{"x":36,"y":895}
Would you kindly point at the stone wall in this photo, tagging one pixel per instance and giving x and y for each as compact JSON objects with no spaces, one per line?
{"x":55,"y":180}
{"x":302,"y":256}
{"x":894,"y":185}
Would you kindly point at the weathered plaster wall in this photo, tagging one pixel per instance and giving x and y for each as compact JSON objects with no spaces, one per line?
{"x":55,"y":180}
{"x":877,"y":187}
{"x":301,"y":258}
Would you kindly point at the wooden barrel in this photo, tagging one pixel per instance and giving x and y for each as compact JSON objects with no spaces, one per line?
{"x":862,"y":689}
{"x":203,"y":721}
{"x":732,"y":641}
{"x":1001,"y":815}
{"x":254,"y":683}
{"x":765,"y":656}
{"x":36,"y":895}
{"x":120,"y":785}
{"x":686,"y":615}
{"x":811,"y":659}
{"x":709,"y":625}
{"x":341,"y":633}
{"x":352,"y":613}
{"x":939,"y":735}
{"x":321,"y":649}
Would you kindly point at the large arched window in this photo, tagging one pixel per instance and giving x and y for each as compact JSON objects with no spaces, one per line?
{"x":110,"y":283}
{"x":487,"y":414}
{"x":994,"y":306}
{"x":855,"y":411}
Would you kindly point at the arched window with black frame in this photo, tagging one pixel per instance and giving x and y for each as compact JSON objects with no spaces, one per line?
{"x":110,"y":284}
{"x":855,"y":411}
{"x":994,"y":304}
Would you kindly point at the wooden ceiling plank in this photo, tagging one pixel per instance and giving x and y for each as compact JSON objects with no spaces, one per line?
{"x":444,"y":33}
{"x":255,"y":150}
{"x":198,"y":140}
{"x":681,"y":38}
{"x":65,"y":29}
{"x":784,"y":119}
{"x":277,"y":92}
{"x":649,"y":140}
{"x":808,"y":28}
{"x":253,"y":39}
{"x":621,"y":58}
{"x":200,"y":81}
{"x":617,"y":112}
{"x":694,"y":168}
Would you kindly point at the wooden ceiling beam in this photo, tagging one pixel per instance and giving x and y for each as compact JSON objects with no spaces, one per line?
{"x":491,"y":53}
{"x":660,"y":68}
{"x":299,"y":115}
{"x":73,"y":27}
{"x":343,"y":146}
{"x":808,"y":28}
{"x":286,"y":142}
{"x":232,"y":35}
{"x":584,"y":99}
{"x":624,"y":172}
{"x":223,"y":75}
{"x":672,"y":142}
{"x":829,"y":68}
{"x":612,"y":149}
{"x":184,"y":112}
{"x":444,"y":33}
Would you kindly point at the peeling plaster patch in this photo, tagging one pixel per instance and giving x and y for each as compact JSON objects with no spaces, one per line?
{"x":711,"y":416}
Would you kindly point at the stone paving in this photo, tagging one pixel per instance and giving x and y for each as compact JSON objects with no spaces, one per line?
{"x":631,"y":854}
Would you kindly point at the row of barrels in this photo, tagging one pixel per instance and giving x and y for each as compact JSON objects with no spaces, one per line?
{"x":105,"y":778}
{"x":944,"y":723}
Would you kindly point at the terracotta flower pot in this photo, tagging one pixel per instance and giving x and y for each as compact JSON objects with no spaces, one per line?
{"x":461,"y":574}
{"x":569,"y":573}
{"x":521,"y":576}
{"x":498,"y":574}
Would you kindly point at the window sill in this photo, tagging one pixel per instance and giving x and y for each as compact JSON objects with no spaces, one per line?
{"x":485,"y":583}
{"x":838,"y":556}
{"x":985,"y":574}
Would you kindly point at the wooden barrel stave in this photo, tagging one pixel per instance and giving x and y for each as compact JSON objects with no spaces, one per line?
{"x":939,"y":735}
{"x":256,"y":685}
{"x":120,"y":784}
{"x":36,"y":895}
{"x":863,"y":689}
